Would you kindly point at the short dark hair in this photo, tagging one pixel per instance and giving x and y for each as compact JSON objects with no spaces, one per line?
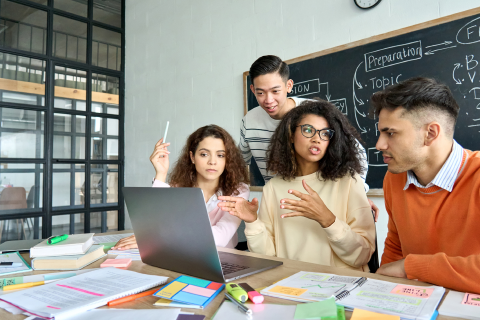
{"x":417,"y":94}
{"x":342,"y":156}
{"x":269,"y":64}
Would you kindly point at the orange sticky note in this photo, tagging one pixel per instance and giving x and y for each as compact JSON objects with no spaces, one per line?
{"x":288,"y":290}
{"x":359,"y":314}
{"x":417,"y":292}
{"x":471,"y":299}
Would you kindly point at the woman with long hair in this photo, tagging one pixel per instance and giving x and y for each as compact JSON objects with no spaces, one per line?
{"x":211,"y":161}
{"x":329,"y":222}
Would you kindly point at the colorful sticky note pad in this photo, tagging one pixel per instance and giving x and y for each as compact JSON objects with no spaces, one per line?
{"x":288,"y":290}
{"x":199,"y":290}
{"x":316,"y":310}
{"x":417,"y":292}
{"x":359,"y":314}
{"x":171,"y":290}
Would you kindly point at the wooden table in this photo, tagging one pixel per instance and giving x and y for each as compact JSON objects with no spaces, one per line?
{"x":258,"y":280}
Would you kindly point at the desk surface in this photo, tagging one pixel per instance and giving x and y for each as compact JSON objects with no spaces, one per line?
{"x":258,"y":280}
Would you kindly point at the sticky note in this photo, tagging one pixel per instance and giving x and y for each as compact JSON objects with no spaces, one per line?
{"x":190,"y":298}
{"x":340,"y":314}
{"x":199,"y":290}
{"x":417,"y":292}
{"x":471,"y":299}
{"x":288,"y":290}
{"x":170,"y":290}
{"x":359,"y":314}
{"x":214,"y":286}
{"x":194,"y":281}
{"x":117,"y":263}
{"x":316,"y":310}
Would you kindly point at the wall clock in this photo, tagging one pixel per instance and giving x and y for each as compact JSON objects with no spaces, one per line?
{"x":366,"y":4}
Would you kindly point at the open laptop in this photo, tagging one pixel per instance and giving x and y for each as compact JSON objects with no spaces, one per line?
{"x":173,"y":232}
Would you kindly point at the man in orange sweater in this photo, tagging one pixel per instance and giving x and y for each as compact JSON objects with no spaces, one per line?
{"x":432,"y":187}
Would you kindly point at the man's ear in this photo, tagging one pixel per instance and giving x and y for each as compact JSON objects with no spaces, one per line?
{"x":432,"y":132}
{"x":289,"y":85}
{"x":252,"y":88}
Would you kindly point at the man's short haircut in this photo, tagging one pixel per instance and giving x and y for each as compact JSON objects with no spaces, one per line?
{"x":269,"y":64}
{"x":418,"y":95}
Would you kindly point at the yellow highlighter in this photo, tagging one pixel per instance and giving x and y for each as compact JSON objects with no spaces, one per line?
{"x":26,"y":285}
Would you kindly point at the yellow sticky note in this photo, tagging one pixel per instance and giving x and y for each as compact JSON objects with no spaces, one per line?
{"x":170,"y":290}
{"x":359,"y":314}
{"x":288,"y":290}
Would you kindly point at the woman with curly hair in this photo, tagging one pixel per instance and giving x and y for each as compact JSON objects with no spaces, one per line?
{"x":211,"y":161}
{"x":314,"y":149}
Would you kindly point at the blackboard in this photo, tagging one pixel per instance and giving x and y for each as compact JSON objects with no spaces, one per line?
{"x":447,"y":49}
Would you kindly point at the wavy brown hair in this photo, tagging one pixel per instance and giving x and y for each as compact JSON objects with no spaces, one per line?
{"x":341,"y":157}
{"x":184,"y":173}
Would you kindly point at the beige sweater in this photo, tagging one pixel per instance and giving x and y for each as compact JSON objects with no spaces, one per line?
{"x":349,"y":242}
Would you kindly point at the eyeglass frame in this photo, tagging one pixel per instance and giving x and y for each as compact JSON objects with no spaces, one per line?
{"x":330,"y":131}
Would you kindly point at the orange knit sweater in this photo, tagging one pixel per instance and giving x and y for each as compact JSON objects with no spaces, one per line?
{"x":438,"y":232}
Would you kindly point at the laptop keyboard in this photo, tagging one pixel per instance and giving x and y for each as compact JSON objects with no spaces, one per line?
{"x":231,"y":268}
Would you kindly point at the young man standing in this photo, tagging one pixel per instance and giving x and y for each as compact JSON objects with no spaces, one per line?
{"x":270,"y":85}
{"x":432,"y":187}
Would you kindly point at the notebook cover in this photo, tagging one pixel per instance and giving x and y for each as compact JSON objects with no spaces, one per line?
{"x":190,"y":290}
{"x":76,"y":257}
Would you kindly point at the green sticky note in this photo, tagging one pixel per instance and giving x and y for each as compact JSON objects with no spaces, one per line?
{"x":316,"y":310}
{"x":340,"y":314}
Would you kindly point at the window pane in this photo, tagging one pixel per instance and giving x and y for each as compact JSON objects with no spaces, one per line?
{"x":21,"y":186}
{"x":103,"y":193}
{"x":107,"y":48}
{"x":72,"y":6}
{"x":21,"y":229}
{"x":108,"y":11}
{"x":103,"y":221}
{"x":105,"y":95}
{"x":21,"y":79}
{"x":69,"y":39}
{"x":68,"y":136}
{"x":21,"y":133}
{"x":68,"y":186}
{"x":68,"y":224}
{"x":104,"y":138}
{"x":23,"y":27}
{"x":70,"y":89}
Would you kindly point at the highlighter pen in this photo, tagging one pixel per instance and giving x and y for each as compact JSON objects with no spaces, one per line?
{"x":132,"y":297}
{"x":236,"y":292}
{"x":56,"y":239}
{"x":252,"y":294}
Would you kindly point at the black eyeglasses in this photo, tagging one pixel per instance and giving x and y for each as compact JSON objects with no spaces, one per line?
{"x":308,"y":131}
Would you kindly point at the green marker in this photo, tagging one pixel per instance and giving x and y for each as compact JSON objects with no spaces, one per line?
{"x":56,"y":239}
{"x":237,"y":292}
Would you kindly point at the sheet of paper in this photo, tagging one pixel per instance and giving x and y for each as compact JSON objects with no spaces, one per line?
{"x":359,"y":314}
{"x":316,"y":310}
{"x":453,"y":305}
{"x":64,"y":298}
{"x":110,"y":238}
{"x":129,"y":251}
{"x":128,"y":314}
{"x":378,"y":296}
{"x":309,"y":286}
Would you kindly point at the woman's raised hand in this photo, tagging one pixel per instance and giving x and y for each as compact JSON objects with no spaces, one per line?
{"x":160,"y":161}
{"x":126,"y":243}
{"x":239,"y":207}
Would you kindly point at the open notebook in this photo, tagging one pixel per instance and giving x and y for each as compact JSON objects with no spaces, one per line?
{"x":65,"y":298}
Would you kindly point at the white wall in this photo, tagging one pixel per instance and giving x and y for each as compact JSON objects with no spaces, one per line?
{"x":185,"y":59}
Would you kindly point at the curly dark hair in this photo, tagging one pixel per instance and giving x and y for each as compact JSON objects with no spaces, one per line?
{"x":341,"y":157}
{"x":184,"y":173}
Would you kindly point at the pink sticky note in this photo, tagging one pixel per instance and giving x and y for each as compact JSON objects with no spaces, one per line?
{"x":117,"y":263}
{"x":471,"y":299}
{"x":417,"y":292}
{"x":204,"y":292}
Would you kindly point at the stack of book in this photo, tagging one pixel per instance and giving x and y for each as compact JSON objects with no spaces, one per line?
{"x":74,"y":253}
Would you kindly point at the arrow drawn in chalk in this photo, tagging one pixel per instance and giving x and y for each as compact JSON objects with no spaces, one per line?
{"x":457,"y":66}
{"x":356,"y":100}
{"x":429,"y":52}
{"x":446,"y":43}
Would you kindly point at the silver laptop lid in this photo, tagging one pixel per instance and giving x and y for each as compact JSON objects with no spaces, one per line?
{"x":173,"y":232}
